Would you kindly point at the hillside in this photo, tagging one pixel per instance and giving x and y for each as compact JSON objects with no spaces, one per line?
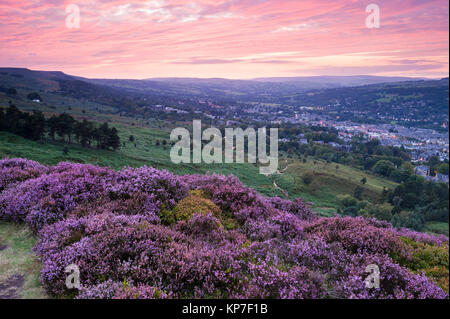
{"x":157,"y":235}
{"x":415,"y":103}
{"x":323,"y":194}
{"x":238,"y":234}
{"x":130,"y":95}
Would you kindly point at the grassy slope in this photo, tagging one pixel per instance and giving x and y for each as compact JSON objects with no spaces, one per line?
{"x":323,"y":192}
{"x":437,"y":227}
{"x":328,"y":183}
{"x":145,"y":153}
{"x":17,"y":258}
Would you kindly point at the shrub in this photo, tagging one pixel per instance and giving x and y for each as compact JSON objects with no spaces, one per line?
{"x":308,"y":177}
{"x":192,"y":204}
{"x":17,"y":170}
{"x":228,"y":241}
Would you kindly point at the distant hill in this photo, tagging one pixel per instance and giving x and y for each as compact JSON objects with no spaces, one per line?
{"x":338,"y":81}
{"x":368,"y":99}
{"x":422,"y":103}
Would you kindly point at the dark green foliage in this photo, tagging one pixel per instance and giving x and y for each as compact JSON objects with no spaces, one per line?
{"x":34,"y":126}
{"x":11,"y":91}
{"x":34,"y":96}
{"x":358,"y":192}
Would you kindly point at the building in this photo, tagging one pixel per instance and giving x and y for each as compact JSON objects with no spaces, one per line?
{"x":303,"y":141}
{"x":441,"y":178}
{"x":422,"y":170}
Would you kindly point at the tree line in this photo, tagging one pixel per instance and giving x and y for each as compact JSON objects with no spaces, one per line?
{"x":411,"y":204}
{"x":35,"y":126}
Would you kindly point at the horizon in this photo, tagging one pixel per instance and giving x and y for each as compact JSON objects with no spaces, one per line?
{"x":231,"y":79}
{"x":227,"y":39}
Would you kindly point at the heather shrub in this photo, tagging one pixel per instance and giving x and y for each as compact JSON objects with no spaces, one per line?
{"x":295,"y":283}
{"x":356,"y":234}
{"x":146,"y":234}
{"x":48,"y":198}
{"x":119,"y":247}
{"x":423,"y":237}
{"x":104,"y":290}
{"x":17,"y":170}
{"x":203,"y":226}
{"x":296,"y":207}
{"x":226,"y":192}
{"x":139,"y":204}
{"x":396,"y":282}
{"x":260,"y":227}
{"x":191,"y":205}
{"x":167,"y":187}
{"x":140,"y":292}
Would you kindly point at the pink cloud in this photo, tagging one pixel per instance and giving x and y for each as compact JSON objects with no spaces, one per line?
{"x":226,"y":38}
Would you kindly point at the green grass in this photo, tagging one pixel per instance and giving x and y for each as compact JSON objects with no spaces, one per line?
{"x":18,"y":258}
{"x":437,"y":227}
{"x":324,"y":192}
{"x":329,"y":184}
{"x":146,"y":152}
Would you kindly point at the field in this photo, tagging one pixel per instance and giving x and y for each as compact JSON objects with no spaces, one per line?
{"x":146,"y":152}
{"x":437,"y":227}
{"x":323,"y":192}
{"x":19,"y":268}
{"x":330,"y":181}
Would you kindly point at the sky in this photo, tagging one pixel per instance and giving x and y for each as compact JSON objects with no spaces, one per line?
{"x":226,"y":38}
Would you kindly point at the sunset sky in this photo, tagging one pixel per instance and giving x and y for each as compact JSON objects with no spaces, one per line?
{"x":226,"y":38}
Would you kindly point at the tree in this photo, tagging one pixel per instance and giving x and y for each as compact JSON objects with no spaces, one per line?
{"x":13,"y":117}
{"x":383,"y":168}
{"x":412,"y":220}
{"x":408,"y":167}
{"x":400,"y":175}
{"x":64,"y":126}
{"x":11,"y":91}
{"x":52,"y":124}
{"x":34,"y":96}
{"x":308,"y":177}
{"x":348,"y":201}
{"x":358,"y":192}
{"x":113,"y":139}
{"x":433,"y":162}
{"x":37,"y":125}
{"x":443,"y":168}
{"x":84,"y":132}
{"x":2,"y":120}
{"x":381,"y":212}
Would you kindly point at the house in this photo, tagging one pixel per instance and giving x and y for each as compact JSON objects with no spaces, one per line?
{"x":303,"y":141}
{"x":422,"y":170}
{"x":334,"y":144}
{"x":441,"y":178}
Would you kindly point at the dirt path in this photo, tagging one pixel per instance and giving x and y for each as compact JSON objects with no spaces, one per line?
{"x":9,"y":289}
{"x":285,"y":192}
